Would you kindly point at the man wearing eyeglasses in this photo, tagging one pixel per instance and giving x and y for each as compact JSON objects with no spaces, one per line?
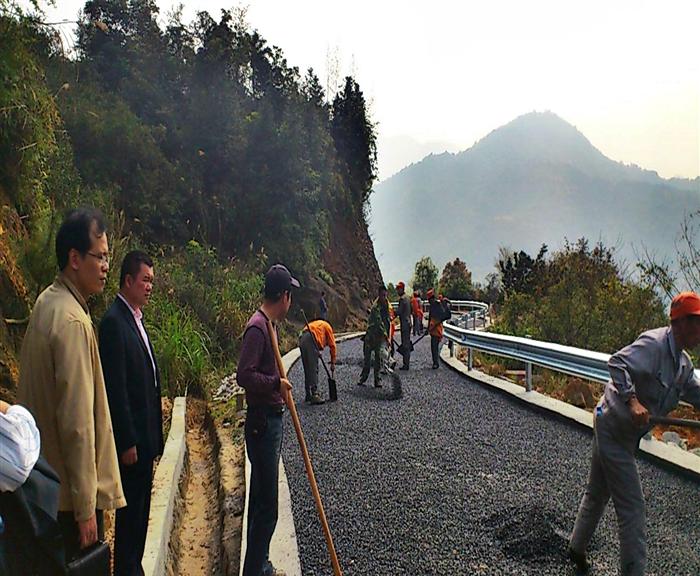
{"x":61,"y":383}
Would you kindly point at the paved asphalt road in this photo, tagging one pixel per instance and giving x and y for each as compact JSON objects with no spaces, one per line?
{"x":454,"y":478}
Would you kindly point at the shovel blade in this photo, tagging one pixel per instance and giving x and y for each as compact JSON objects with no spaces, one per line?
{"x":332,"y":390}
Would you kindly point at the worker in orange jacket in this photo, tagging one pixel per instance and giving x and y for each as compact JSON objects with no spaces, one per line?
{"x":312,"y":342}
{"x":417,"y":313}
{"x":439,"y":311}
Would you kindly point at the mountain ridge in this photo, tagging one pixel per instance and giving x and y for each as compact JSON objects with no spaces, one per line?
{"x":517,"y":187}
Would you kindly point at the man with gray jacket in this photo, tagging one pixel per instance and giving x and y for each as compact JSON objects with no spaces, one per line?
{"x":647,"y":378}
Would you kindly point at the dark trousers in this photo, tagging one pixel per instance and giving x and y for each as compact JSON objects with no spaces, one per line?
{"x":369,"y":349}
{"x":309,"y":358}
{"x":406,"y":342}
{"x":71,"y":534}
{"x":417,"y":328}
{"x":131,"y":523}
{"x":435,"y":349}
{"x":264,"y":443}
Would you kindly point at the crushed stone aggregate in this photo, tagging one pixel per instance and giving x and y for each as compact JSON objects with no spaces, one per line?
{"x":455,"y":478}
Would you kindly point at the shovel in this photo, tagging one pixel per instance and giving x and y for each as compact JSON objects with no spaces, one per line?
{"x":332,"y":388}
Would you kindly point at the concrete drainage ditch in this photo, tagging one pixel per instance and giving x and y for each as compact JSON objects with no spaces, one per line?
{"x":198,"y":498}
{"x":198,"y":502}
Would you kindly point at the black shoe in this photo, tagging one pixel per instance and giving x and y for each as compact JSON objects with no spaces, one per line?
{"x":361,"y":383}
{"x":436,"y":366}
{"x":377,"y":384}
{"x":307,"y":398}
{"x":403,"y":368}
{"x":579,"y":559}
{"x":316,"y":400}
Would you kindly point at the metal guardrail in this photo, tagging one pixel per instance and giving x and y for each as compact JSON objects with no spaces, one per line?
{"x":567,"y":359}
{"x":457,"y":306}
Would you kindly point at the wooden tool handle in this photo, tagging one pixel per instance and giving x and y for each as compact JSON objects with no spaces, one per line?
{"x":305,"y":454}
{"x":674,"y":421}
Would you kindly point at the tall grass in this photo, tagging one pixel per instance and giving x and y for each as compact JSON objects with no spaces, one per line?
{"x":182,"y":346}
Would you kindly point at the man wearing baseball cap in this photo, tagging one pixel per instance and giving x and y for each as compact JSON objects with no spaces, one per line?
{"x":647,"y":378}
{"x":266,"y":393}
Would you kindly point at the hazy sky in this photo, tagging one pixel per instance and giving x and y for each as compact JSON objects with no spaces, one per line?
{"x":441,"y":75}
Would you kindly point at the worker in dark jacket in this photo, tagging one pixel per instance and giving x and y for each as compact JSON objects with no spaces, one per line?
{"x":266,"y":394}
{"x":404,"y":314}
{"x":133,"y":388}
{"x":376,"y":336}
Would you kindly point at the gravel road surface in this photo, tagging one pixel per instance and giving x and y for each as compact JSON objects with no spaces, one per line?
{"x":454,"y":478}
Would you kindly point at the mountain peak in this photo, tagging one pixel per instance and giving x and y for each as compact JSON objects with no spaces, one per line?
{"x":542,"y":136}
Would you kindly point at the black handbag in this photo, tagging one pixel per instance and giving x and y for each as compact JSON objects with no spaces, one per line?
{"x":92,"y":561}
{"x":33,"y":534}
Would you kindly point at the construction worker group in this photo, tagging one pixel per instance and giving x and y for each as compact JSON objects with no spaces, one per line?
{"x":379,"y":335}
{"x":379,"y":342}
{"x":647,"y":379}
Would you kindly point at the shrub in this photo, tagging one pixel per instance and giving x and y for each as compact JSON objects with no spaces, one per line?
{"x":580,"y":297}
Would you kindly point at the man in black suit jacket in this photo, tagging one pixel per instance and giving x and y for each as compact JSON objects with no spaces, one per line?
{"x":133,"y":389}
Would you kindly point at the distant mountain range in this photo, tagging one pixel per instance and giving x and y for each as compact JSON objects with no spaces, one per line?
{"x":535,"y":180}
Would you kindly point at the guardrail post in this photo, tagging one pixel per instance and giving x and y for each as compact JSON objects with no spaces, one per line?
{"x":474,"y":323}
{"x":528,"y":377}
{"x":470,"y":359}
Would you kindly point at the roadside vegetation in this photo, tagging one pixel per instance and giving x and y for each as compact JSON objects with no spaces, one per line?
{"x":199,"y":143}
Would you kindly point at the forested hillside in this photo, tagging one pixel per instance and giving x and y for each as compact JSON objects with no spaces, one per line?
{"x":201,"y":144}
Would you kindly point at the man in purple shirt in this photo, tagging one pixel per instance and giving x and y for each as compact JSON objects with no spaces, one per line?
{"x":266,"y":394}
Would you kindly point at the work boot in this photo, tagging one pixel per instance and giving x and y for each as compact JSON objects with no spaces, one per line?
{"x":377,"y":384}
{"x":307,"y":398}
{"x":579,"y":560}
{"x":270,"y":570}
{"x":362,"y":383}
{"x":436,"y":366}
{"x":403,"y":367}
{"x":316,"y":399}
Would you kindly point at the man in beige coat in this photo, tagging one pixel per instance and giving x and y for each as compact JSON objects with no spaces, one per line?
{"x":61,"y":383}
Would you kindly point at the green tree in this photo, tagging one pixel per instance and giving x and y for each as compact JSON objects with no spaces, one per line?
{"x":355,"y":140}
{"x":519,"y":271}
{"x":671,"y":277}
{"x":425,"y":275}
{"x":456,"y":281}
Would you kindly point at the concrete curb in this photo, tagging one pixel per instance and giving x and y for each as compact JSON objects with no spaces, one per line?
{"x":166,"y":488}
{"x":665,"y":454}
{"x":284,"y":548}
